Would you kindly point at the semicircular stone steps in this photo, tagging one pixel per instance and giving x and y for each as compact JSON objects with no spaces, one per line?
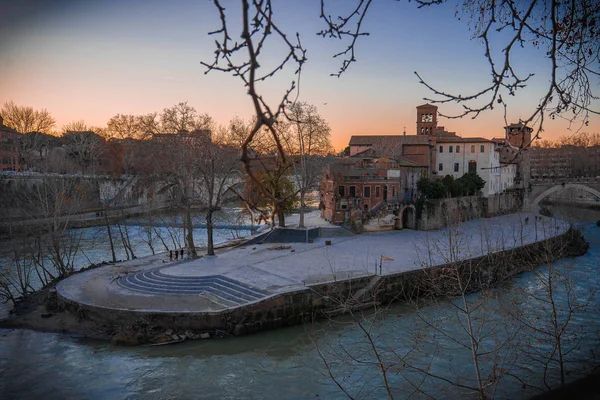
{"x":218,"y":288}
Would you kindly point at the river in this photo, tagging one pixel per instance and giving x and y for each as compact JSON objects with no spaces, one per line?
{"x":285,"y":364}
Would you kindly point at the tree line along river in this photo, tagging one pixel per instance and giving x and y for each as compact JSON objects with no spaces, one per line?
{"x":291,"y":363}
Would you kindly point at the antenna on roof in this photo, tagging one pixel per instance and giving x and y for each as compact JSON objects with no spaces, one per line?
{"x":404,"y":133}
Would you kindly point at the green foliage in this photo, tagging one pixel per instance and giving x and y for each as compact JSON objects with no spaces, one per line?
{"x":432,"y":189}
{"x":453,"y":187}
{"x":467,"y":185}
{"x":471,"y":184}
{"x":278,"y":185}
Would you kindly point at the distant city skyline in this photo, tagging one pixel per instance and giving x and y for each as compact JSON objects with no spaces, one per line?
{"x":91,"y":60}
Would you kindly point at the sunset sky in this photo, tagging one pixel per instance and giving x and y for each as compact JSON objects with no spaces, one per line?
{"x":93,"y":59}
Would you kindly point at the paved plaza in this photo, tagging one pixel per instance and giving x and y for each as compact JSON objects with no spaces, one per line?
{"x":246,"y":274}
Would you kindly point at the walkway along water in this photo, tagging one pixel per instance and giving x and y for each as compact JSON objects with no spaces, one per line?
{"x":260,"y":287}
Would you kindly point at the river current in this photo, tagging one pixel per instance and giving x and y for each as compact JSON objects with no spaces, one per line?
{"x":289,"y":363}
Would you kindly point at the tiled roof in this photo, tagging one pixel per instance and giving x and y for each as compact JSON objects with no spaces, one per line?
{"x":458,"y":139}
{"x":389,"y":140}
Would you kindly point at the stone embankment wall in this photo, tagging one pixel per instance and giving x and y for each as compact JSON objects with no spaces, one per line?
{"x":333,"y":298}
{"x":437,"y":214}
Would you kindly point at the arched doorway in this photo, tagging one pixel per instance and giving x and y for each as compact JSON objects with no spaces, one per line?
{"x":407,"y":218}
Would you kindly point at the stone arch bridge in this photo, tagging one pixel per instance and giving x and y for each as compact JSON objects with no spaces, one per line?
{"x":540,"y":190}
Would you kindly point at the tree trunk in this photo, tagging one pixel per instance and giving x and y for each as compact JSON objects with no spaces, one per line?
{"x":281,"y":218}
{"x":189,"y":234}
{"x":301,"y":223}
{"x":110,"y":239}
{"x":209,"y":233}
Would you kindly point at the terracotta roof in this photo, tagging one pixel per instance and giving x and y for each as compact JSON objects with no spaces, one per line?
{"x":390,"y":140}
{"x":458,"y":139}
{"x":405,"y":162}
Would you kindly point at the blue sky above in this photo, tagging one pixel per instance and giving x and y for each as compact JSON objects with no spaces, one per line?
{"x":93,"y":59}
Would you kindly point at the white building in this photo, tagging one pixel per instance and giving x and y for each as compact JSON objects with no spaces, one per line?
{"x":457,"y":156}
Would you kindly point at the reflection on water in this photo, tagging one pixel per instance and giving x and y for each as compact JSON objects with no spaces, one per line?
{"x":283,"y":363}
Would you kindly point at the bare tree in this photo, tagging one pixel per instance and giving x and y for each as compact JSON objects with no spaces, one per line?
{"x":218,"y":169}
{"x":25,"y":119}
{"x":85,"y":147}
{"x":241,"y":58}
{"x":171,"y":162}
{"x":308,"y":140}
{"x":550,"y":336}
{"x":148,"y":125}
{"x":236,"y":132}
{"x":184,"y":118}
{"x":123,"y":126}
{"x":75,"y":126}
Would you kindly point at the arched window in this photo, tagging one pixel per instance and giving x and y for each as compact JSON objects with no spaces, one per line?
{"x":472,"y":167}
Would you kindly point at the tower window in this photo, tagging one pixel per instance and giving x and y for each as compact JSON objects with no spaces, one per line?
{"x":456,"y":167}
{"x":482,"y":148}
{"x":458,"y":148}
{"x":472,"y":148}
{"x":450,"y":149}
{"x":441,"y":167}
{"x":441,"y":149}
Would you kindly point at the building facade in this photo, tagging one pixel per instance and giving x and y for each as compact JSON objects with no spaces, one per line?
{"x":457,"y":156}
{"x":384,"y":169}
{"x":356,"y":186}
{"x":10,"y":159}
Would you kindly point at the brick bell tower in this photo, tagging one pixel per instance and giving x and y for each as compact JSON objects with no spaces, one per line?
{"x":426,"y":119}
{"x":426,"y":126}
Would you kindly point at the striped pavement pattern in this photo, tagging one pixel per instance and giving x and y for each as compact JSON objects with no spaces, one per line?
{"x":217,"y":288}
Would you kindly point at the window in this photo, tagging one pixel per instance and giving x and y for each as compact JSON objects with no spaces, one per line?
{"x":352,"y":191}
{"x":367,"y":191}
{"x":450,"y":148}
{"x":441,"y":167}
{"x":458,"y":148}
{"x":472,"y":148}
{"x":472,"y":167}
{"x":482,"y":148}
{"x":377,"y":191}
{"x":456,"y":167}
{"x":441,"y":149}
{"x":341,"y":190}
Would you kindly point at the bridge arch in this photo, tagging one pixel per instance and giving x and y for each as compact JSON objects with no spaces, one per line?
{"x":565,"y":186}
